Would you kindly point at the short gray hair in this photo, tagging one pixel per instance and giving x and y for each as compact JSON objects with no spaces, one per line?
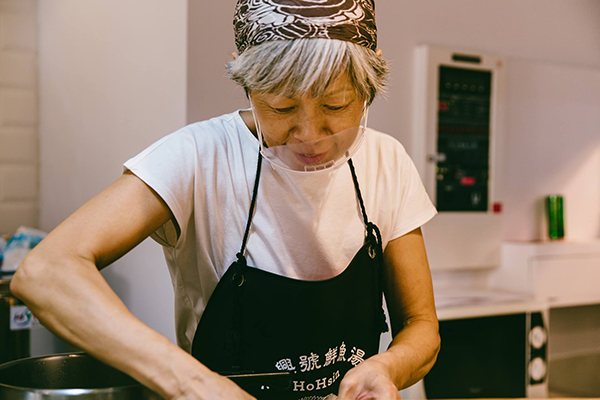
{"x":301,"y":66}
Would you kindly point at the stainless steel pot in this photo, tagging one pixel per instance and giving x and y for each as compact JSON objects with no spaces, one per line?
{"x":68,"y":377}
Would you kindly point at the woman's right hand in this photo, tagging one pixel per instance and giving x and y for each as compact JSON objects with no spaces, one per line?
{"x":213,"y":387}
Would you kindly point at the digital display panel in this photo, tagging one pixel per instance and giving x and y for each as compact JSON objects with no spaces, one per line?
{"x":463,"y":139}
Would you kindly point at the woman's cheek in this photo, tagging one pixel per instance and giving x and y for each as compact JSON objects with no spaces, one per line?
{"x":276,"y":135}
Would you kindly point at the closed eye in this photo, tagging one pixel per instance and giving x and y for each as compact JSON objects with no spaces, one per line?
{"x":333,"y":107}
{"x":283,"y":110}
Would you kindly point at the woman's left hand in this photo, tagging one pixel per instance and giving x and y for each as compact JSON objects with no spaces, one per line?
{"x":370,"y":380}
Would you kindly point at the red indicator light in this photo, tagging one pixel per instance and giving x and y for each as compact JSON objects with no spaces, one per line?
{"x":467,"y":181}
{"x":443,"y":106}
{"x":497,"y":208}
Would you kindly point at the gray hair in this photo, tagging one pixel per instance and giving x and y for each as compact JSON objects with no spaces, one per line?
{"x":297,"y":67}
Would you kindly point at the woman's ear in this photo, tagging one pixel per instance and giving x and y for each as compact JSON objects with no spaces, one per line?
{"x":379,"y":52}
{"x":234,"y":56}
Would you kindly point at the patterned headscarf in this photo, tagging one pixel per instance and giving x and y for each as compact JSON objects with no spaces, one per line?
{"x":259,"y":21}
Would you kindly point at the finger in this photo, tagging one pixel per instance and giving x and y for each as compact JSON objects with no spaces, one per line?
{"x":390,"y":393}
{"x":379,"y":393}
{"x":348,"y":390}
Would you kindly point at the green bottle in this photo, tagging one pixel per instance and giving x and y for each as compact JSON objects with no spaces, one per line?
{"x":554,"y":211}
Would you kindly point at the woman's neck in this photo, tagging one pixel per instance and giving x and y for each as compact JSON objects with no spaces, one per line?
{"x":249,"y":121}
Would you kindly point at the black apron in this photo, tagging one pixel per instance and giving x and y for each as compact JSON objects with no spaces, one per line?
{"x":283,"y":338}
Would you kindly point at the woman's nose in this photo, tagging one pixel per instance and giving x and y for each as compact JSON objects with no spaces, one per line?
{"x":310,"y":130}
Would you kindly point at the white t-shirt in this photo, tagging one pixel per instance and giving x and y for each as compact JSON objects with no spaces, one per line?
{"x":306,"y":226}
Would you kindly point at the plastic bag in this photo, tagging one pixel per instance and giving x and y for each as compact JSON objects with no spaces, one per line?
{"x":3,"y":243}
{"x":18,"y":246}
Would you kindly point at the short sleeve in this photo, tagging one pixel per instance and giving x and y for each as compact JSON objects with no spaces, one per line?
{"x":168,"y":166}
{"x":414,"y":207}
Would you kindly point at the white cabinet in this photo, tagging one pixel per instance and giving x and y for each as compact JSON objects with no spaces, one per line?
{"x":567,"y":276}
{"x":561,"y":273}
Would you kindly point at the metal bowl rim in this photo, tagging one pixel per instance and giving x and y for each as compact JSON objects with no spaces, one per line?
{"x":67,"y":392}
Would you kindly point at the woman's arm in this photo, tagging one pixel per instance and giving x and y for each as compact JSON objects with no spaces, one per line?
{"x":412,"y":353}
{"x":60,"y":282}
{"x":409,"y":294}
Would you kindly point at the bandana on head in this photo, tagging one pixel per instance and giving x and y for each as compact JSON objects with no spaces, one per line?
{"x":259,"y":21}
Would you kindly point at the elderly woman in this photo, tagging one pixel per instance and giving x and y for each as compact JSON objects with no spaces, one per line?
{"x":282,"y":225}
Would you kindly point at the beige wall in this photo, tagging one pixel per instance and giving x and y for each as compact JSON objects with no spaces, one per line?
{"x":18,"y":115}
{"x":559,"y":39}
{"x":112,"y":81}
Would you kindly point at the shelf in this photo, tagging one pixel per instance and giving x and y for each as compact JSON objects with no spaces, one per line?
{"x":576,"y":376}
{"x":562,"y":273}
{"x":483,"y":303}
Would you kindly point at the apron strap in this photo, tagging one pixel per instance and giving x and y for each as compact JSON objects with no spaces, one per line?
{"x":240,"y":255}
{"x":372,"y":229}
{"x":373,"y":236}
{"x":358,"y":194}
{"x":238,"y":278}
{"x":373,"y":232}
{"x":235,"y":334}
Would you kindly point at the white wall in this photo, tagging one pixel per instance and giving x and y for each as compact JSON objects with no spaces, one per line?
{"x":210,"y":45}
{"x":554,"y":141}
{"x":18,"y":115}
{"x":112,"y":81}
{"x":530,"y":34}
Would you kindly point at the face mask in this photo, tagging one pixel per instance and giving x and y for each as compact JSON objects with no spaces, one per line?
{"x":323,"y":154}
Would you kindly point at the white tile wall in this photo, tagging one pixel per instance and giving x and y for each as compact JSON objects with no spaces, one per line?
{"x":18,"y":6}
{"x":18,"y":145}
{"x":18,"y":107}
{"x":19,"y":171}
{"x":17,"y":69}
{"x":16,"y":213}
{"x":18,"y":182}
{"x":18,"y":31}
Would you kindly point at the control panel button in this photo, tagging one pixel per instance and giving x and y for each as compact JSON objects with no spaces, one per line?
{"x":538,"y":337}
{"x":537,"y":369}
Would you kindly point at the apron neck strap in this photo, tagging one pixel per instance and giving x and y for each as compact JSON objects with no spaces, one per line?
{"x":240,"y":255}
{"x":372,"y":230}
{"x":358,"y":194}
